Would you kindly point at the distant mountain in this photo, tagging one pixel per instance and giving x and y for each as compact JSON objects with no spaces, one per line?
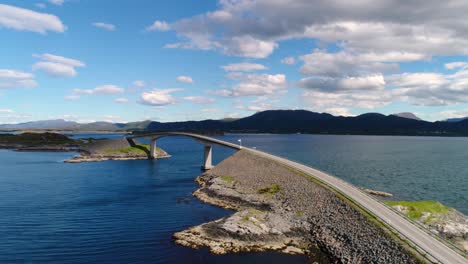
{"x":407,"y":115}
{"x":301,"y":121}
{"x":60,"y":124}
{"x":276,"y":121}
{"x":42,"y":124}
{"x":452,"y":120}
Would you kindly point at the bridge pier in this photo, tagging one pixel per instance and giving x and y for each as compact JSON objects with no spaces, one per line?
{"x":153,"y":149}
{"x":207,"y":161}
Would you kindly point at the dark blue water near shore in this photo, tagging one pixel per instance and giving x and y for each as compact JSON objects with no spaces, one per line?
{"x":127,"y":211}
{"x":107,"y":212}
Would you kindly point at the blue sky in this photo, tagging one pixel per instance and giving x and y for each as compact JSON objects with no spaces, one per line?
{"x":191,"y":60}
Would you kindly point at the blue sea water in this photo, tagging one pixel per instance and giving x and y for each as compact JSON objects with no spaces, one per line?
{"x":107,"y":212}
{"x":127,"y":211}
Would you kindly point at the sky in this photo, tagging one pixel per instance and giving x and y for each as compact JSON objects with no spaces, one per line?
{"x":122,"y":61}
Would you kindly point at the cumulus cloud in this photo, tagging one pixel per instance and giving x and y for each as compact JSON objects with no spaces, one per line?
{"x":106,"y":26}
{"x":345,"y":64}
{"x":6,"y":111}
{"x":159,"y":26}
{"x":288,"y":60}
{"x":40,"y":5}
{"x":27,"y":20}
{"x":254,"y":28}
{"x":16,"y":79}
{"x":244,"y":67}
{"x":139,"y":84}
{"x":185,"y":79}
{"x":56,"y":2}
{"x":210,"y":110}
{"x":327,"y":84}
{"x":254,"y":85}
{"x":121,"y":100}
{"x":159,"y":97}
{"x":199,"y":99}
{"x":57,"y":66}
{"x":72,"y":97}
{"x":108,"y":89}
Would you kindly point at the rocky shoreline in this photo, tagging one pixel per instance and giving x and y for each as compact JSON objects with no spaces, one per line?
{"x":279,"y":209}
{"x":115,"y":149}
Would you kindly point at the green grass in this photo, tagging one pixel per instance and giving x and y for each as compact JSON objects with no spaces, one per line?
{"x":269,"y":190}
{"x":139,"y":149}
{"x":228,"y":179}
{"x":416,"y":209}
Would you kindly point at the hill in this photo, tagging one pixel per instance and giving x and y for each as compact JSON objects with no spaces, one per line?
{"x":274,"y":121}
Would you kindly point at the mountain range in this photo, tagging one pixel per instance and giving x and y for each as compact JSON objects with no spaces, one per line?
{"x":275,"y":121}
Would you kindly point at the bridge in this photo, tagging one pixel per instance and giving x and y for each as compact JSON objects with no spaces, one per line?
{"x":208,"y":142}
{"x":429,"y":245}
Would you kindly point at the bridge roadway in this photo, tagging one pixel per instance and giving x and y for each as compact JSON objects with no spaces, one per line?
{"x":434,"y":249}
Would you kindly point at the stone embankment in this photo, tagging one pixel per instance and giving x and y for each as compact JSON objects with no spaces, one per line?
{"x":446,"y":222}
{"x":280,"y":209}
{"x":114,"y":149}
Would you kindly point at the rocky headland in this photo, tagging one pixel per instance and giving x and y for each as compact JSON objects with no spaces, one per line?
{"x":90,"y":149}
{"x":278,"y":208}
{"x":114,"y":149}
{"x":443,"y":221}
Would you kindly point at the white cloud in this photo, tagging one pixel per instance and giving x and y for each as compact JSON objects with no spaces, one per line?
{"x":185,"y":79}
{"x":338,"y":111}
{"x":57,"y":66}
{"x":99,"y":90}
{"x":160,"y":97}
{"x":72,"y":97}
{"x":199,"y":99}
{"x":121,"y":100}
{"x":40,"y":5}
{"x":210,"y":110}
{"x":106,"y":26}
{"x":139,"y":84}
{"x":244,"y":67}
{"x":456,"y":65}
{"x":6,"y":111}
{"x":159,"y":26}
{"x":288,"y":60}
{"x":327,"y":84}
{"x":56,"y":2}
{"x":28,"y":20}
{"x":430,"y":28}
{"x":254,"y":85}
{"x":344,"y":64}
{"x":16,"y":79}
{"x":452,"y":114}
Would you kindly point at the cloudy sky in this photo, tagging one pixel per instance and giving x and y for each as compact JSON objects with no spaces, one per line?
{"x":110,"y":60}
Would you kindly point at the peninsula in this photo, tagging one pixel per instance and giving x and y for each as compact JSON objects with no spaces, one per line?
{"x":89,"y":150}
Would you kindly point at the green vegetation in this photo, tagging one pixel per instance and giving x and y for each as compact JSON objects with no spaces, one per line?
{"x":138,"y":149}
{"x":36,"y":139}
{"x":270,"y":190}
{"x":416,"y":209}
{"x":228,"y":179}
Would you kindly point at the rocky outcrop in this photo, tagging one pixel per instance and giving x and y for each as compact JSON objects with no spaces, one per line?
{"x":449,"y":224}
{"x":114,"y":149}
{"x":279,"y":209}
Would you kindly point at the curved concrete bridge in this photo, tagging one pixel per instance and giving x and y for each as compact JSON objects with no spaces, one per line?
{"x":426,"y":243}
{"x":207,"y":141}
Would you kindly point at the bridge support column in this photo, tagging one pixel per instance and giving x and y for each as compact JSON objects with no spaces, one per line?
{"x":153,"y":149}
{"x":207,"y":164}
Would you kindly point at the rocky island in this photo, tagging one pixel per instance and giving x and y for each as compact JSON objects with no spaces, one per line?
{"x":114,"y":149}
{"x":90,"y":149}
{"x":278,"y":208}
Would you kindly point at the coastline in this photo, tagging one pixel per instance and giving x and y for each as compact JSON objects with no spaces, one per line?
{"x":277,"y":209}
